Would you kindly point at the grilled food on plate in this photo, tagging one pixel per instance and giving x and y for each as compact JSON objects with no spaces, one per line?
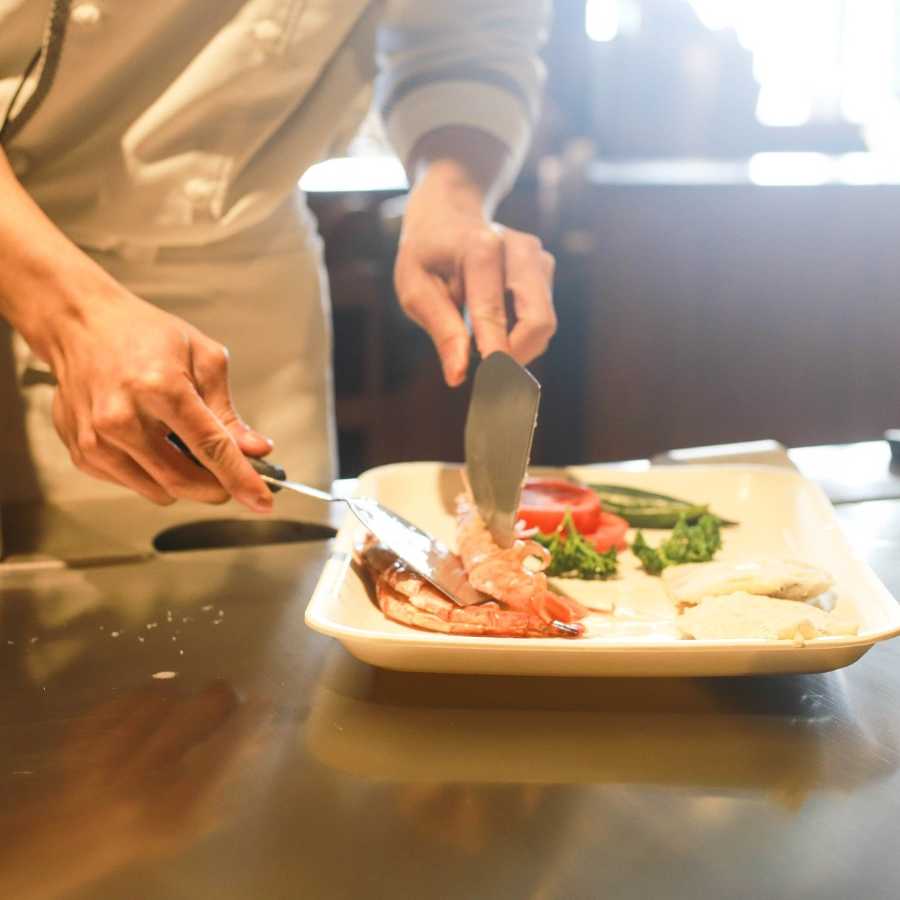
{"x":743,"y":615}
{"x":562,"y":531}
{"x":787,"y":579}
{"x":518,"y":602}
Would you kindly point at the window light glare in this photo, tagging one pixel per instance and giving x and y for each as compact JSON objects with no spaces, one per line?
{"x":819,"y":59}
{"x":601,"y":20}
{"x":716,"y":15}
{"x":782,"y":108}
{"x":790,"y":169}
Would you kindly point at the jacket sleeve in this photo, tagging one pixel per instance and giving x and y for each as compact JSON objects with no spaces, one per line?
{"x":462,"y":62}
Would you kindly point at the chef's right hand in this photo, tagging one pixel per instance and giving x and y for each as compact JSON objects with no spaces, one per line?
{"x":128,"y":374}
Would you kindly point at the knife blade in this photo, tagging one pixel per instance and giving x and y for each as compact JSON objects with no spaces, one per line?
{"x":499,"y":431}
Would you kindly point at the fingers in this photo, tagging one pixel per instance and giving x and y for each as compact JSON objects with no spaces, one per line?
{"x":102,"y":444}
{"x":121,"y":437}
{"x":118,"y":467}
{"x":425,"y":298}
{"x":171,"y":468}
{"x":212,"y":444}
{"x":94,"y":456}
{"x":529,"y":276}
{"x":117,"y":442}
{"x":210,"y":369}
{"x":516,"y":262}
{"x":133,"y":375}
{"x":466,"y":262}
{"x":484,"y":283}
{"x":173,"y":403}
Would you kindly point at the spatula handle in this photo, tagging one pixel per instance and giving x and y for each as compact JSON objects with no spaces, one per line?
{"x":272,"y":470}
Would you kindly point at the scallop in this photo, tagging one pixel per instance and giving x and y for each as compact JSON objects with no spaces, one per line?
{"x":785,"y":579}
{"x":741,"y":615}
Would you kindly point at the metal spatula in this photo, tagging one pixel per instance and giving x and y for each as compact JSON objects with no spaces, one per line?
{"x":420,"y":551}
{"x":499,"y":430}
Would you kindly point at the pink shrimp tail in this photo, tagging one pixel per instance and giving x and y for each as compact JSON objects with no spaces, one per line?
{"x":550,"y":606}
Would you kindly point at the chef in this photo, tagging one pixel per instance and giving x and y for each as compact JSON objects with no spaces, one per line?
{"x":159,"y":271}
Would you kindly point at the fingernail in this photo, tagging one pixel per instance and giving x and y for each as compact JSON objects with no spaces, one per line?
{"x":263,"y":503}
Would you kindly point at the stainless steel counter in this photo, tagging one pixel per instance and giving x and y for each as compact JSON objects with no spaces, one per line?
{"x":264,"y":762}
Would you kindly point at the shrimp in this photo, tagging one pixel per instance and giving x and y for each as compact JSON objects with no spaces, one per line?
{"x":514,"y":575}
{"x":406,"y":597}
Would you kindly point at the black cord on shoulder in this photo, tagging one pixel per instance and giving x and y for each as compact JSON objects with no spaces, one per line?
{"x":54,"y":37}
{"x":28,"y":70}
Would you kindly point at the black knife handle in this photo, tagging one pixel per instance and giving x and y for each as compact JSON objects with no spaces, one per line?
{"x":273,"y":470}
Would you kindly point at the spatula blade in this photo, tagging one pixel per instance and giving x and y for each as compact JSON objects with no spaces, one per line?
{"x":499,"y":430}
{"x":424,"y":554}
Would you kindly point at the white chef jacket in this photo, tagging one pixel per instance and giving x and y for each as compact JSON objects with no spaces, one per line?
{"x":169,"y":146}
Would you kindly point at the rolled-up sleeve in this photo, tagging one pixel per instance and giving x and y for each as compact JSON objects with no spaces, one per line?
{"x":469,"y":62}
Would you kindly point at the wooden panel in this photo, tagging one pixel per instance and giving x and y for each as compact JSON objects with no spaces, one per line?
{"x":729,"y":313}
{"x":688,"y":315}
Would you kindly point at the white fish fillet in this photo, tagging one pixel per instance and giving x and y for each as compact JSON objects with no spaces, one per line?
{"x":742,"y":615}
{"x":789,"y":580}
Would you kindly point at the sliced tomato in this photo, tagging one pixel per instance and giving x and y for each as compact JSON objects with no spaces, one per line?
{"x":545,"y":501}
{"x":609,"y":533}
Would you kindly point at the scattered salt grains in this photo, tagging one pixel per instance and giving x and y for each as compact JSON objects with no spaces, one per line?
{"x":221,"y":613}
{"x":34,"y":640}
{"x":181,"y":652}
{"x":11,"y":643}
{"x":140,"y":639}
{"x":152,"y":625}
{"x":164,"y":676}
{"x":114,"y":634}
{"x":207,"y":608}
{"x":174,"y":638}
{"x":217,"y":621}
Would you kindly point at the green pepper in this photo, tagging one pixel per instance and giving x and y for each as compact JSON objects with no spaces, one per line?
{"x":647,"y":509}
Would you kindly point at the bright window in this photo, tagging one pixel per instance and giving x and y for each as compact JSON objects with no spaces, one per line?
{"x":814,"y":60}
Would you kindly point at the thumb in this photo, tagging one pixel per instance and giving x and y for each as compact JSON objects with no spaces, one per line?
{"x":251,"y":442}
{"x":210,"y":368}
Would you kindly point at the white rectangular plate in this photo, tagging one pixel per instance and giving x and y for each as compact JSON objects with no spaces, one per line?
{"x":780,"y":513}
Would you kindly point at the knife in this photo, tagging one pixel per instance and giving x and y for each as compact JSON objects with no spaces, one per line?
{"x":423,"y":553}
{"x":499,"y":431}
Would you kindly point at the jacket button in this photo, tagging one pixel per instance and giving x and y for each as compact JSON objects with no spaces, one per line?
{"x":86,"y":14}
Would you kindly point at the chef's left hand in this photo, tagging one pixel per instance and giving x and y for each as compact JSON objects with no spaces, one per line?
{"x":452,"y":257}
